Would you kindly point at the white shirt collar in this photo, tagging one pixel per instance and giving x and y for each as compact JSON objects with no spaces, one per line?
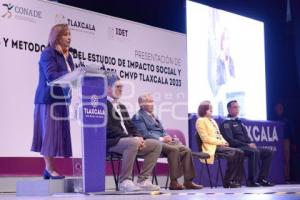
{"x":150,"y":114}
{"x":112,"y":100}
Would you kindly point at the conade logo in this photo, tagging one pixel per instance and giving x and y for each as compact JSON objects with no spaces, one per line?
{"x":20,"y":11}
{"x":8,"y":12}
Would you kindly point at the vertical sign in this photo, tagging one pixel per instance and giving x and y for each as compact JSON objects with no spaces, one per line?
{"x":93,"y":132}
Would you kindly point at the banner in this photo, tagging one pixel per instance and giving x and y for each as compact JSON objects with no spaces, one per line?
{"x":147,"y":59}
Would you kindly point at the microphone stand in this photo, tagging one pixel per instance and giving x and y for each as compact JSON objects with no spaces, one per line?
{"x":75,"y":52}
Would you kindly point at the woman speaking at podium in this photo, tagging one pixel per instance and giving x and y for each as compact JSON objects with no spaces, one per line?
{"x":51,"y":131}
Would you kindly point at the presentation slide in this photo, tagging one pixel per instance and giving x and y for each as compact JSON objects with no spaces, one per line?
{"x":226,"y":61}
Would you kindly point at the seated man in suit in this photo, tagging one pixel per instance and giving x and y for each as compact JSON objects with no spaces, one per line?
{"x":179,"y":156}
{"x":123,"y":138}
{"x":236,"y":134}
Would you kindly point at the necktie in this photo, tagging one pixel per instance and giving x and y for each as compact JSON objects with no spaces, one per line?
{"x":157,"y":122}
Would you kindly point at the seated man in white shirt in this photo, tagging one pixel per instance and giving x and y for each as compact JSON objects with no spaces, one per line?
{"x":123,"y":138}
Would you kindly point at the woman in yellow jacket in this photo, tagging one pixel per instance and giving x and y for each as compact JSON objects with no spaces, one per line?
{"x":213,"y":143}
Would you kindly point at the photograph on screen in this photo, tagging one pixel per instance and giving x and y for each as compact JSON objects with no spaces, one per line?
{"x":226,"y":61}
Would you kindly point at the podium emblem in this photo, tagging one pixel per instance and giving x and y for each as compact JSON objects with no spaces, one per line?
{"x":94,"y":101}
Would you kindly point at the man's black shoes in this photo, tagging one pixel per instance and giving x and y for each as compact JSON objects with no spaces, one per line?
{"x":231,"y":184}
{"x":265,"y":183}
{"x":252,"y":184}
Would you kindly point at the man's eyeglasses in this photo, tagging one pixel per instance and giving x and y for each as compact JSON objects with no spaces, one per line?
{"x":119,"y":86}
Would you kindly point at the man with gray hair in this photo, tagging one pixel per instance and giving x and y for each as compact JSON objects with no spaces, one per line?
{"x":123,"y":138}
{"x":179,"y":156}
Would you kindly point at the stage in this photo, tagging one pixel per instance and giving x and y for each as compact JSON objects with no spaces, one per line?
{"x":263,"y":193}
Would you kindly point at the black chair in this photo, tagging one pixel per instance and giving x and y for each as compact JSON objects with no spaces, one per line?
{"x":175,"y":133}
{"x":218,"y":157}
{"x":113,"y":157}
{"x":154,"y":174}
{"x":207,"y":156}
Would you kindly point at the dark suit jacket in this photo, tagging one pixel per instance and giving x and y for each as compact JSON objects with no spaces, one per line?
{"x":147,"y":126}
{"x":114,"y":128}
{"x":52,"y":65}
{"x":234,"y":132}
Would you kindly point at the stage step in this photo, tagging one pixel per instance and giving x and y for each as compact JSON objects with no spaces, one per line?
{"x":48,"y":187}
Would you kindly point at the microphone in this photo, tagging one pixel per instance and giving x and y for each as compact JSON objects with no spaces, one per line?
{"x":72,"y":50}
{"x":75,"y":54}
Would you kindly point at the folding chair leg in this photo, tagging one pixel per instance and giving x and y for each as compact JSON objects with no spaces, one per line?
{"x":154,"y":177}
{"x":153,"y":173}
{"x":118,"y":174}
{"x":138,"y":168}
{"x":208,"y":172}
{"x":201,"y":173}
{"x":114,"y":173}
{"x":217,"y":176}
{"x":221,"y":172}
{"x":167,"y":182}
{"x":245,"y":177}
{"x":137,"y":165}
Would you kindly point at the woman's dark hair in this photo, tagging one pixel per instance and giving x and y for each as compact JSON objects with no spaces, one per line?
{"x":203,"y":107}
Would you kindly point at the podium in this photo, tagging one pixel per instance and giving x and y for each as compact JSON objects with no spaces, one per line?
{"x":92,"y":116}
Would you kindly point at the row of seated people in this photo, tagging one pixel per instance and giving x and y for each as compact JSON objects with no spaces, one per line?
{"x":143,"y":135}
{"x":232,"y":142}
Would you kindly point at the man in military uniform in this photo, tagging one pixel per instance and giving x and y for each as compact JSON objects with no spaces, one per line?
{"x":235,"y":133}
